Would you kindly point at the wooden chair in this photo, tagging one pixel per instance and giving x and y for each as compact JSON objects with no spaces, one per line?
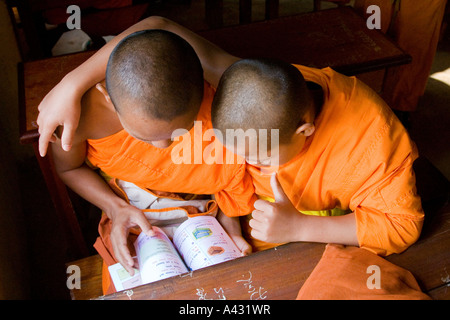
{"x":214,"y":11}
{"x":340,"y":3}
{"x":29,"y":18}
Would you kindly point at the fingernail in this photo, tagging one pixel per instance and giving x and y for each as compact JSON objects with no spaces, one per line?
{"x":66,"y":147}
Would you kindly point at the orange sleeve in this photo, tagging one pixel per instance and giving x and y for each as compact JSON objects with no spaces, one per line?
{"x":389,"y":215}
{"x":238,"y":197}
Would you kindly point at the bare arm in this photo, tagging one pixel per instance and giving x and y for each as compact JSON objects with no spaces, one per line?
{"x":88,"y":184}
{"x":280,"y":222}
{"x":61,"y":106}
{"x":233,"y":227}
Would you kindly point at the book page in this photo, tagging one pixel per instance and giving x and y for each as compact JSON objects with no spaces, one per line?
{"x":202,"y":242}
{"x":158,"y":259}
{"x":122,"y":279}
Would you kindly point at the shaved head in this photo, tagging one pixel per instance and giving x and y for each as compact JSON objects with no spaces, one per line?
{"x":155,"y":74}
{"x":261,"y":94}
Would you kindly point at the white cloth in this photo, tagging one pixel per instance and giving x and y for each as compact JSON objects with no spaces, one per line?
{"x":167,"y":220}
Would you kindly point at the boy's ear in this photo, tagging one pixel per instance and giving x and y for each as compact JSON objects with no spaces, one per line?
{"x":100,"y":87}
{"x":306,"y":129}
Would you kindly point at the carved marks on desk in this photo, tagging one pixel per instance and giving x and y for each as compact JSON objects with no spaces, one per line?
{"x":129,"y":293}
{"x":245,"y":283}
{"x":217,"y":295}
{"x":255,"y":292}
{"x":446,"y":278}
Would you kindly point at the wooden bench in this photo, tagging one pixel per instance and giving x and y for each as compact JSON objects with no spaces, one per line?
{"x":279,"y":273}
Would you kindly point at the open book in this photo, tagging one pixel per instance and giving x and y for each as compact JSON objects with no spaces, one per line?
{"x":197,"y":243}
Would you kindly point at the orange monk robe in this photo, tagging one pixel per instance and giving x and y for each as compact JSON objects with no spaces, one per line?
{"x":123,"y":157}
{"x":415,"y":27}
{"x":345,"y":273}
{"x":358,"y":159}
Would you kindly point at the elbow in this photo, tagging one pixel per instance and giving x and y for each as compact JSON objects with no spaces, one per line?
{"x":385,"y":234}
{"x":409,"y":235}
{"x":406,"y":231}
{"x":399,"y":238}
{"x":156,"y":22}
{"x":62,"y":173}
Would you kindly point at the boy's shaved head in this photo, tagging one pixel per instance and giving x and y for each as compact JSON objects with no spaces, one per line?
{"x":261,"y":94}
{"x":156,"y":74}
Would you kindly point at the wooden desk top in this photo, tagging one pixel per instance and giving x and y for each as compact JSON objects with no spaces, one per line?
{"x":280,"y":272}
{"x":337,"y":37}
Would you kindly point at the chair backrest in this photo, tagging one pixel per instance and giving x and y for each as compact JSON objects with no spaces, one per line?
{"x":214,"y":12}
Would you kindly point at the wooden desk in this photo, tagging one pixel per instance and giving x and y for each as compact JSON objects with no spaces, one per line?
{"x":336,"y":37}
{"x":279,"y":273}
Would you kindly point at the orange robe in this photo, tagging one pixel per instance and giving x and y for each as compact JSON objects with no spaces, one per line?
{"x":123,"y":157}
{"x":415,"y":26}
{"x":360,"y":159}
{"x":345,"y":273}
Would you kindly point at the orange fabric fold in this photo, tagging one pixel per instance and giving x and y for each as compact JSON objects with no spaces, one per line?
{"x":123,"y":157}
{"x":120,"y":156}
{"x":350,"y":273}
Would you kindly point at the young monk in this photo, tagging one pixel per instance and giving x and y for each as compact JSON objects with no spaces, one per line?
{"x":344,"y":151}
{"x":341,"y":150}
{"x":72,"y":87}
{"x":154,"y":85}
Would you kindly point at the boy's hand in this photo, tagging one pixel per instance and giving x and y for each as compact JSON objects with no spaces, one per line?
{"x":60,"y":107}
{"x":276,"y":222}
{"x":123,"y":219}
{"x":242,"y":245}
{"x":233,"y":227}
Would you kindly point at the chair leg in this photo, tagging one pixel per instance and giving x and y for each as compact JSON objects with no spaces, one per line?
{"x":214,"y":13}
{"x":317,"y":4}
{"x":272,"y":7}
{"x":63,"y":206}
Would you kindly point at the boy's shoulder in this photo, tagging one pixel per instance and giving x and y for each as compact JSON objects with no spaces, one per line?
{"x":98,"y":118}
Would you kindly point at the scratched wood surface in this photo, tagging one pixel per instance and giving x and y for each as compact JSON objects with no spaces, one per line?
{"x":279,"y":273}
{"x":338,"y":38}
{"x":272,"y":274}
